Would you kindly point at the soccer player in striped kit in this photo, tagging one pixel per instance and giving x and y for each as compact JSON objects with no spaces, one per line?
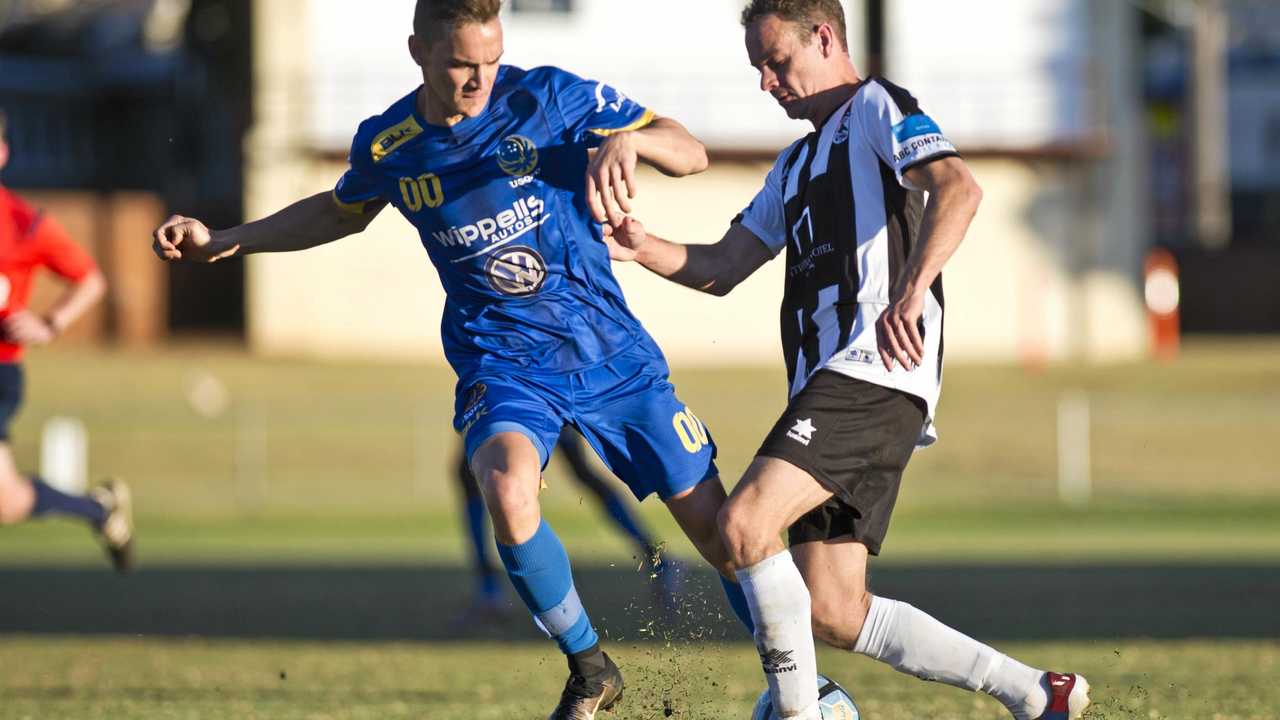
{"x":30,"y":241}
{"x":861,"y":322}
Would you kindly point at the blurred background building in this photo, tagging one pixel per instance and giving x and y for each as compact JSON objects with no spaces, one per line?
{"x":1099,"y":130}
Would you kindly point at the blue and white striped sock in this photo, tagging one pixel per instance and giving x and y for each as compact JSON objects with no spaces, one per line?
{"x":539,"y":570}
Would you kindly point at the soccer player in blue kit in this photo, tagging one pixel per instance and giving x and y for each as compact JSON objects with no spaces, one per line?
{"x":490,"y":163}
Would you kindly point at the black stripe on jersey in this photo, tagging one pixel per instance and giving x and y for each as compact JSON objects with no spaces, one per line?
{"x":903,"y":212}
{"x":928,"y":159}
{"x":844,"y":233}
{"x":906,"y":102}
{"x":936,"y":289}
{"x":821,"y":255}
{"x":798,"y":243}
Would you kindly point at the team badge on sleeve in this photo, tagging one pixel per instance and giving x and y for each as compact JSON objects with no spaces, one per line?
{"x":917,"y":137}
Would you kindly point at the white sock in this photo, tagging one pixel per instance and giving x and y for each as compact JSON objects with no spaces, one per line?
{"x":915,"y":643}
{"x":779,"y":603}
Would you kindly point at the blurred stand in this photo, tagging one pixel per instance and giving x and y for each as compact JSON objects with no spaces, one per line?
{"x":120,"y":112}
{"x":1098,"y":129}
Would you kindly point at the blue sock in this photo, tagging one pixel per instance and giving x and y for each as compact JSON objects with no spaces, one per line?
{"x":478,"y":534}
{"x":738,"y":601}
{"x":539,"y":570}
{"x":53,"y":502}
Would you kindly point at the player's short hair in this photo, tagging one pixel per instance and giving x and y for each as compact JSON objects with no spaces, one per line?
{"x":805,"y":14}
{"x":432,"y":18}
{"x":4,"y":124}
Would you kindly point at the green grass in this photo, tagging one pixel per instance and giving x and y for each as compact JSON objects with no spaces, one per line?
{"x":193,"y":679}
{"x":355,"y":460}
{"x":354,"y":467}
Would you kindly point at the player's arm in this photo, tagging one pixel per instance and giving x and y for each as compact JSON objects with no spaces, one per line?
{"x":85,"y":287}
{"x":663,"y":143}
{"x":671,"y":149}
{"x":27,"y":328}
{"x":954,"y":197}
{"x":76,"y":300}
{"x":714,"y":269}
{"x":310,"y":222}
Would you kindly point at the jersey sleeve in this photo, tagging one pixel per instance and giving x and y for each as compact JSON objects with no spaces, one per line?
{"x":764,"y":216}
{"x":899,"y":131}
{"x":592,"y":110}
{"x":58,"y":252}
{"x":358,"y":186}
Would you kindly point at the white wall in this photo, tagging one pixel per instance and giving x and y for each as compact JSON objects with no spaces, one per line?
{"x":678,"y":57}
{"x":1045,"y":274}
{"x":998,"y":73}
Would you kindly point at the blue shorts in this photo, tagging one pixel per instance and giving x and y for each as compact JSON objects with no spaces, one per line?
{"x":10,"y":396}
{"x":626,"y":409}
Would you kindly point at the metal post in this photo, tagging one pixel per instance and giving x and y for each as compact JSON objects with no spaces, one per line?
{"x":1075,"y":484}
{"x":1211,"y":199}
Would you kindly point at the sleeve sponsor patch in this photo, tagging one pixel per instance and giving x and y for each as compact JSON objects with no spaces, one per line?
{"x":914,"y":126}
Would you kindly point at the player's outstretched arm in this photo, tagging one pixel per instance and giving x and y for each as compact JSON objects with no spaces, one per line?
{"x":663,"y":143}
{"x":714,"y":269}
{"x":954,"y":197}
{"x":305,"y":224}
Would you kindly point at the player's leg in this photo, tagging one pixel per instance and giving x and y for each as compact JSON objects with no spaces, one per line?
{"x":849,"y":617}
{"x":17,"y":494}
{"x":107,"y":509}
{"x":510,"y":427}
{"x":833,"y":434}
{"x":488,"y":582}
{"x":22,"y":498}
{"x":629,"y":413}
{"x":696,"y":511}
{"x":773,"y":494}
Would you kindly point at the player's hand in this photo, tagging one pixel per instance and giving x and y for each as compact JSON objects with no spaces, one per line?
{"x":898,"y":333}
{"x":184,"y":238}
{"x":625,"y":240}
{"x":26,"y":328}
{"x":611,"y":182}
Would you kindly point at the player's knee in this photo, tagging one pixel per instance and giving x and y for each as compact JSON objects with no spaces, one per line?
{"x":838,"y":615}
{"x":512,"y":499}
{"x":742,"y":536}
{"x":15,"y":506}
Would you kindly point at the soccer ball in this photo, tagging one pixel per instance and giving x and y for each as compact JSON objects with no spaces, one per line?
{"x":836,"y":704}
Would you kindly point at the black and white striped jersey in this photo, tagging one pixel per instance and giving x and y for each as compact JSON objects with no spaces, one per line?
{"x":839,"y":203}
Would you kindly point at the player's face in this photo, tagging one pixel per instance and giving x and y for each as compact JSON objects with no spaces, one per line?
{"x":790,"y":70}
{"x":459,"y":68}
{"x":4,"y":153}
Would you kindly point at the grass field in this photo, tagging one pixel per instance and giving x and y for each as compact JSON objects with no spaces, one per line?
{"x":193,"y":678}
{"x":301,"y":554}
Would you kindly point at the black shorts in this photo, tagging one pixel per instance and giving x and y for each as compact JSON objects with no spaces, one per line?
{"x":10,"y":396}
{"x":855,"y":438}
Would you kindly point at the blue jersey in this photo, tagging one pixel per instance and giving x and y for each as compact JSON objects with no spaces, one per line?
{"x":498,"y":201}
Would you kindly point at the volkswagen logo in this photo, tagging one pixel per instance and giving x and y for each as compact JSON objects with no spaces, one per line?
{"x":516,"y":271}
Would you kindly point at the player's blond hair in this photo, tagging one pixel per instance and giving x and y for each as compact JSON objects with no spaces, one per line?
{"x":806,"y":15}
{"x":433,"y":18}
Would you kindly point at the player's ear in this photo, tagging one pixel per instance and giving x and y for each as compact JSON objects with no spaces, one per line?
{"x":417,"y":50}
{"x":826,"y":39}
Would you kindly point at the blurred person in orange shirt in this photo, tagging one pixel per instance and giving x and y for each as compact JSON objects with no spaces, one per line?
{"x":30,"y":240}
